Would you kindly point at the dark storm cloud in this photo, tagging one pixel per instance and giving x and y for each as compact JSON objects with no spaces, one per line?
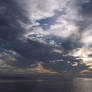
{"x":87,"y":8}
{"x":33,"y":52}
{"x":9,"y":15}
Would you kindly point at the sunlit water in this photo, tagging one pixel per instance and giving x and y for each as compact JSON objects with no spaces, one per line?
{"x":75,"y":85}
{"x":82,"y":85}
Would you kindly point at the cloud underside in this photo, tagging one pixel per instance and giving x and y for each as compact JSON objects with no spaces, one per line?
{"x":45,"y":36}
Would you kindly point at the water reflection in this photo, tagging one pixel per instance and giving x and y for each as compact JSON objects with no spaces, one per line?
{"x":82,"y":84}
{"x":47,"y":85}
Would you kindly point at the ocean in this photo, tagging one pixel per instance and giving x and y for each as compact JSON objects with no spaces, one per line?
{"x":46,"y":85}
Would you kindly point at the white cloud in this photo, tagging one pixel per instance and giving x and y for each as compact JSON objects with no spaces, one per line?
{"x":38,"y":9}
{"x":83,"y":53}
{"x":86,"y":37}
{"x":63,"y":29}
{"x":65,"y":24}
{"x":57,"y":51}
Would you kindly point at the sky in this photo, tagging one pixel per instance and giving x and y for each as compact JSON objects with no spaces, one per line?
{"x":46,"y":36}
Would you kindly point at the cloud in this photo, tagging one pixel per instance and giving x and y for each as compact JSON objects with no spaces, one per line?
{"x":36,"y":69}
{"x":61,"y":21}
{"x":86,"y":73}
{"x":6,"y":60}
{"x":4,"y":65}
{"x":45,"y":30}
{"x":83,"y":53}
{"x":85,"y":1}
{"x":9,"y":14}
{"x":40,"y":9}
{"x":87,"y":36}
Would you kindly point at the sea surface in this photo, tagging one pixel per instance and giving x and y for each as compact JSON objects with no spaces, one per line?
{"x":46,"y":85}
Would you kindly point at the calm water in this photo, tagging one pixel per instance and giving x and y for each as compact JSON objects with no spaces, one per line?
{"x":41,"y":85}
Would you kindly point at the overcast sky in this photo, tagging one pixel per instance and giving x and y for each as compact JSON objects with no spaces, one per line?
{"x":45,"y":36}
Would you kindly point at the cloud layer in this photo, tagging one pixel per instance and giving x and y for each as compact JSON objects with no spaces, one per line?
{"x":56,"y":33}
